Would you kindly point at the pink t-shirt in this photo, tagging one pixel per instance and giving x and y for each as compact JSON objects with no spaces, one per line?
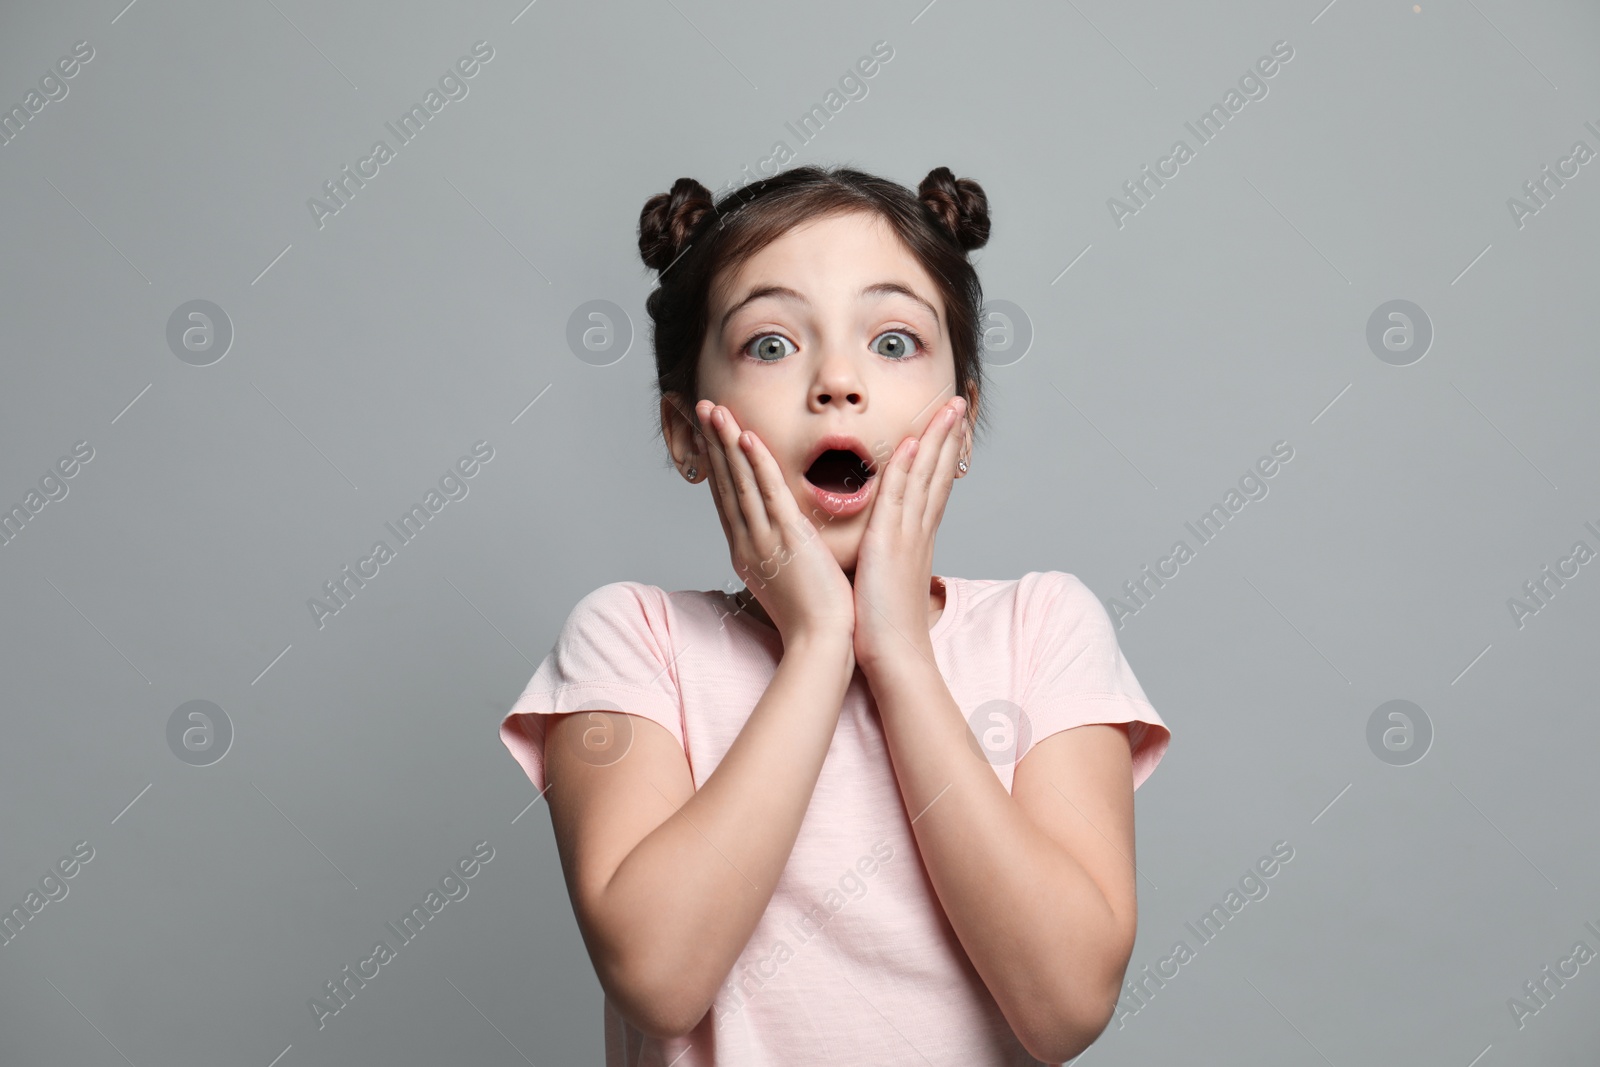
{"x":854,"y":960}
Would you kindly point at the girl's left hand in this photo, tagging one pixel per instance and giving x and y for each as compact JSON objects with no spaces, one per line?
{"x":894,"y":567}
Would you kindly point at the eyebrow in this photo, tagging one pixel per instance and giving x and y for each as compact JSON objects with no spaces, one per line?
{"x":785,"y":293}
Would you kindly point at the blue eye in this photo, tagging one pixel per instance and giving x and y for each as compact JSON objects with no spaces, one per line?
{"x":897,"y":350}
{"x":766,"y":352}
{"x":901,"y":344}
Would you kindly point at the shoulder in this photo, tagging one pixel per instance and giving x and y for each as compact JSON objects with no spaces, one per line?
{"x":613,"y":592}
{"x":616,"y":605}
{"x":1039,"y":606}
{"x":1029,"y":595}
{"x":633,"y":605}
{"x":1062,"y":591}
{"x":1054,"y":584}
{"x":1057,"y":608}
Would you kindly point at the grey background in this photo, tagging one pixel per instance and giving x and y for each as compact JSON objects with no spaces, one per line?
{"x":369,"y":354}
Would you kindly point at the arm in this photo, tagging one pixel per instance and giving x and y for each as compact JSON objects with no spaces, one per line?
{"x":1038,"y":884}
{"x":667,"y":882}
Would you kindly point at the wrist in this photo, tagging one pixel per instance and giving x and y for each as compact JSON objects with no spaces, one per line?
{"x":820,"y":648}
{"x":902,"y":661}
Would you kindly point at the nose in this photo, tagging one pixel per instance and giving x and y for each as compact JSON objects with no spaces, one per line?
{"x":851,"y":398}
{"x":837,"y":380}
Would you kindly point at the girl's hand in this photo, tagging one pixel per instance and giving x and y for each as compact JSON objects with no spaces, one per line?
{"x":894,"y":568}
{"x":775,"y":549}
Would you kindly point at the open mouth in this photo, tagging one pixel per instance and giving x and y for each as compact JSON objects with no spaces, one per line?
{"x":839,"y":470}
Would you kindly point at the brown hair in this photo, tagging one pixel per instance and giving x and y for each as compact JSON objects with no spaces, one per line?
{"x":689,"y":242}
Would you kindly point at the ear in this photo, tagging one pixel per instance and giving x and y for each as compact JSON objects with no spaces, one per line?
{"x":679,"y":428}
{"x":972,"y":397}
{"x":970,"y":424}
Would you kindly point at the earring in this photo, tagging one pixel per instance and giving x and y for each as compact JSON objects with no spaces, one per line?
{"x":962,"y":466}
{"x":690,"y":473}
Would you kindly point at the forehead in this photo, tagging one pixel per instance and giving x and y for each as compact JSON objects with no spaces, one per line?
{"x":834,"y":255}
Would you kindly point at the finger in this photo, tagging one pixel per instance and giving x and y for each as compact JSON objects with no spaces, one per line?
{"x":782,"y":511}
{"x":746,"y":488}
{"x":702,"y":453}
{"x":944,"y":477}
{"x":891,"y":495}
{"x":934,"y":437}
{"x":709,"y":436}
{"x":723,"y":488}
{"x":764,"y":498}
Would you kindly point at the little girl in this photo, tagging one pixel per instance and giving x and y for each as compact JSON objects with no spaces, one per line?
{"x":854,"y":813}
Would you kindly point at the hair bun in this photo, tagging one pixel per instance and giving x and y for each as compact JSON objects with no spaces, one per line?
{"x":669,"y":219}
{"x":960,"y":206}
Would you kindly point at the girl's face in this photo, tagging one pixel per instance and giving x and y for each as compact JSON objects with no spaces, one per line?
{"x":834,"y":328}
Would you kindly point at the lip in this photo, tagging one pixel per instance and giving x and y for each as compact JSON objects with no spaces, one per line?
{"x":845,"y":442}
{"x":841,"y":505}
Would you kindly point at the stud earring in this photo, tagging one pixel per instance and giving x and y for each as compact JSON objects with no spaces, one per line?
{"x":962,"y":466}
{"x":690,"y":473}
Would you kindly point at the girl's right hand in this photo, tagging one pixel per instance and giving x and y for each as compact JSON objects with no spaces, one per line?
{"x":776,"y":550}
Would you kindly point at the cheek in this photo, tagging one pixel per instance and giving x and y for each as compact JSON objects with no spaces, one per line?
{"x":753,"y":403}
{"x":917,"y":421}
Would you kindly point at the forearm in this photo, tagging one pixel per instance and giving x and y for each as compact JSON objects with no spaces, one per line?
{"x":687,"y":898}
{"x":1036,"y":926}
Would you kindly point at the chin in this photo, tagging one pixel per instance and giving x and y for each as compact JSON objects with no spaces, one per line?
{"x":846,"y":550}
{"x":836,"y":535}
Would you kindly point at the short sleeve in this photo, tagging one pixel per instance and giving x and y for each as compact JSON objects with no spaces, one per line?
{"x":613,"y":652}
{"x":1079,"y":676}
